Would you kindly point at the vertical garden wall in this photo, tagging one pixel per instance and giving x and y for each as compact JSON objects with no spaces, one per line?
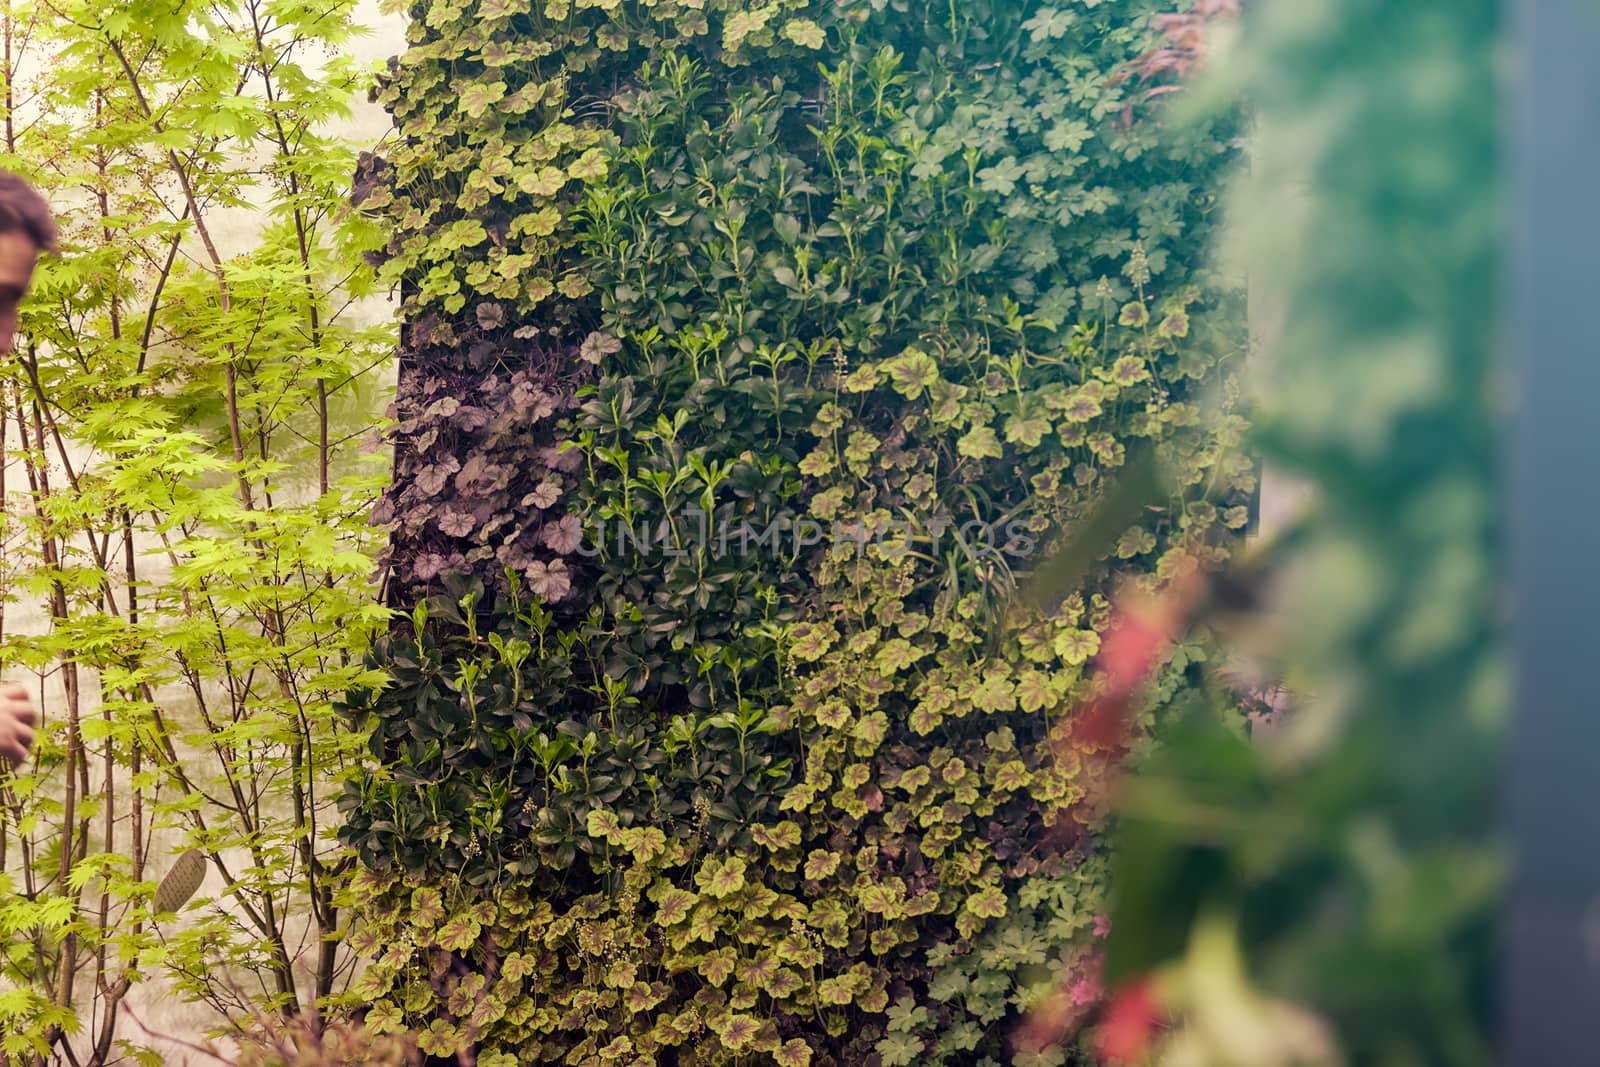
{"x":752,"y":353}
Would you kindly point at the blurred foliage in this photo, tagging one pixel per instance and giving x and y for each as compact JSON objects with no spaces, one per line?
{"x":750,"y":349}
{"x":1347,"y":862}
{"x":310,"y":1041}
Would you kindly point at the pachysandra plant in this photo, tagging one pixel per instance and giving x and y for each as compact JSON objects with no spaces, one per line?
{"x":752,"y":354}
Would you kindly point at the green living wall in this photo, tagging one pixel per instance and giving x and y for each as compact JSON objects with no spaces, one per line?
{"x":752,"y":352}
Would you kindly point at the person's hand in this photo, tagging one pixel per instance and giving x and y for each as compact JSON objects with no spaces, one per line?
{"x":17,"y":720}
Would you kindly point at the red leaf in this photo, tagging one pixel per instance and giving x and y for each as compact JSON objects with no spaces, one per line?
{"x":1130,"y":1021}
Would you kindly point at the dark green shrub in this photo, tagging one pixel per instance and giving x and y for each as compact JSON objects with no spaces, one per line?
{"x":841,"y":311}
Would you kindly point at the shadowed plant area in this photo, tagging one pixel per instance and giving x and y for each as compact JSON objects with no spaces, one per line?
{"x":751,"y":352}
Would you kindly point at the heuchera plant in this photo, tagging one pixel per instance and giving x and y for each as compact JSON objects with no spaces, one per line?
{"x":753,"y":354}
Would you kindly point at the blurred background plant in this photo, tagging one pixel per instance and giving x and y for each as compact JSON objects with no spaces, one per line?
{"x":304,"y":1039}
{"x":272,"y":1041}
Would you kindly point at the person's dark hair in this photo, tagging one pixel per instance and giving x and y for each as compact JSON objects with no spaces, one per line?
{"x":23,"y":210}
